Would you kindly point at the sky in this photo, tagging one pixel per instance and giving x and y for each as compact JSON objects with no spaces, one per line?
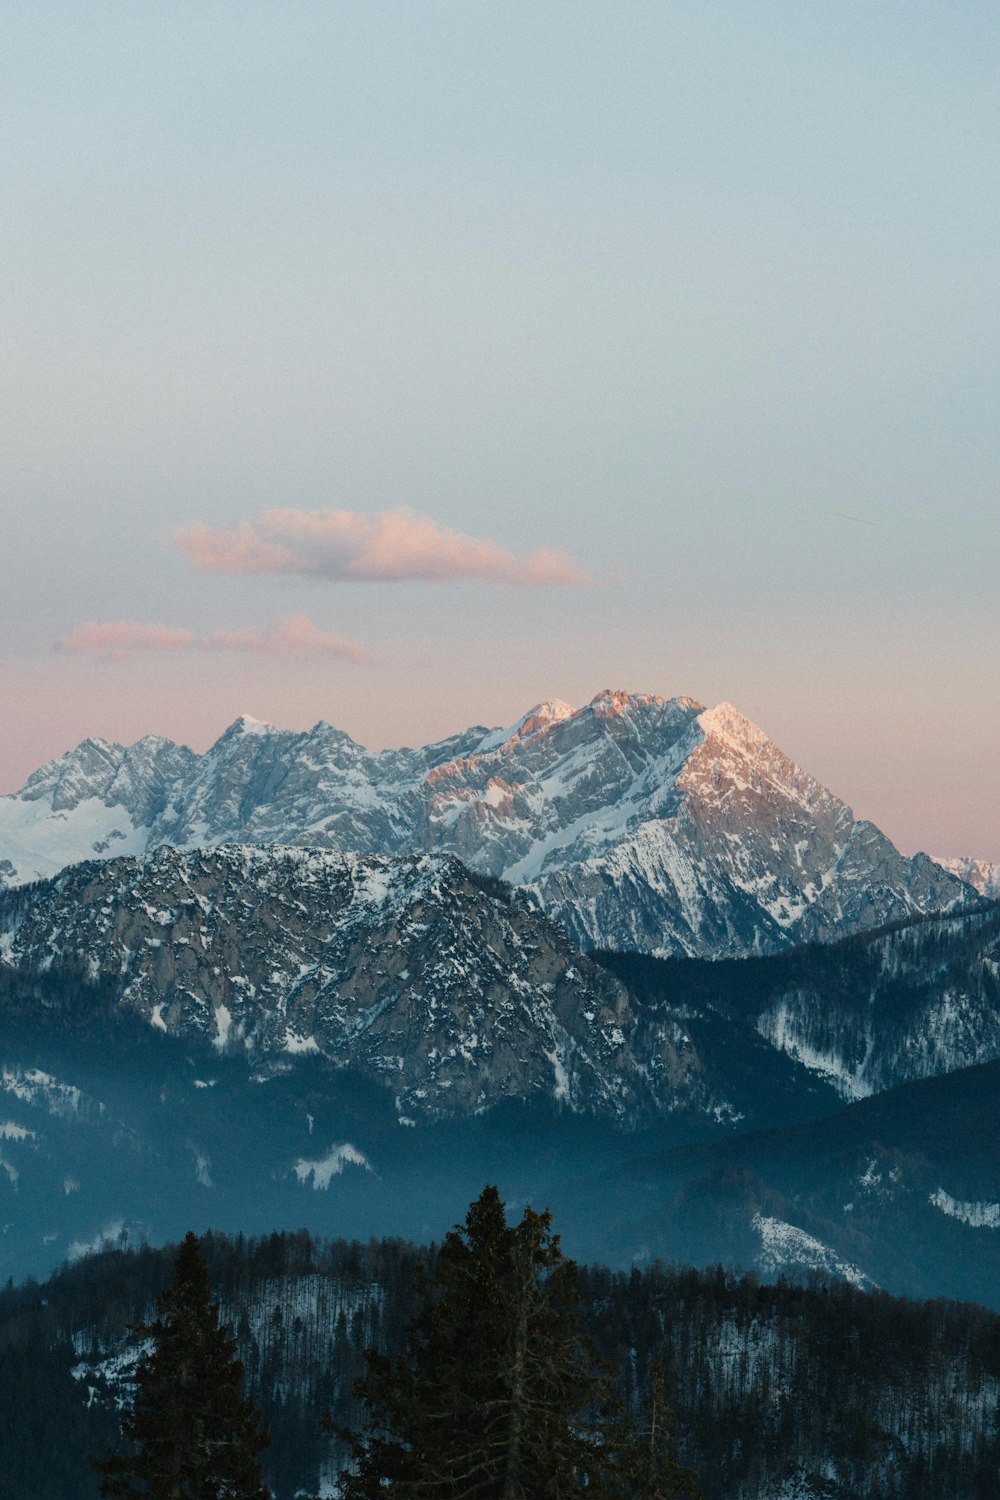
{"x":406,"y":364}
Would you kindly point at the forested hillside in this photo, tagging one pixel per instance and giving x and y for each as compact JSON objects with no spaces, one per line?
{"x":910,"y":1000}
{"x":819,"y":1392}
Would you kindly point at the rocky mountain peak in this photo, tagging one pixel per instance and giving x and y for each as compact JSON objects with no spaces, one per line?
{"x":610,"y":702}
{"x":540,"y":718}
{"x":736,"y":759}
{"x":83,"y":771}
{"x":247,"y":724}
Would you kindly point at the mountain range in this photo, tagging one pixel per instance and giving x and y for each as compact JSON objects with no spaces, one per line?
{"x":641,"y":823}
{"x":628,"y":960}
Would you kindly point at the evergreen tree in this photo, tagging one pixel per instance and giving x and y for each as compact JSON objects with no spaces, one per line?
{"x":498,"y":1395}
{"x":646,"y":1466}
{"x":193,"y":1436}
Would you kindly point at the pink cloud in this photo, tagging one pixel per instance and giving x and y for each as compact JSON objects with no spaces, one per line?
{"x":295,"y":636}
{"x":389,"y":547}
{"x":121,"y":637}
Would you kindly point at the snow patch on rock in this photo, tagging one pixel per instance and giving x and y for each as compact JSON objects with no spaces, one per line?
{"x":784,"y":1246}
{"x":330,"y":1166}
{"x":976,"y":1215}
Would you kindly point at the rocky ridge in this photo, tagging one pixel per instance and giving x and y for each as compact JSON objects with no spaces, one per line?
{"x":446,"y":987}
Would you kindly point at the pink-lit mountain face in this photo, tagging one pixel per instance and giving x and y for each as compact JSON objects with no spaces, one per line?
{"x":638,"y":822}
{"x":983,"y":876}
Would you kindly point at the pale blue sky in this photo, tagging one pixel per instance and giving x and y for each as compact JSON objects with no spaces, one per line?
{"x":704,"y":293}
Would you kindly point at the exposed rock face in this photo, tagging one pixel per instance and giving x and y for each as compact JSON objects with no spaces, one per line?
{"x":445,"y":986}
{"x":638,"y":821}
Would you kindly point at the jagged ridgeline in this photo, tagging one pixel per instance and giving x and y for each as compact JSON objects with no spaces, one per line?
{"x":821,"y":1392}
{"x":639,"y":822}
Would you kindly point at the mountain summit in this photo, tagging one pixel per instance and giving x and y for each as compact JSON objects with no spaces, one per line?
{"x":637,"y":821}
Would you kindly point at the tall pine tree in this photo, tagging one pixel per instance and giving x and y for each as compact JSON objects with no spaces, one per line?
{"x":644,"y":1458}
{"x":498,"y":1395}
{"x":191,"y":1433}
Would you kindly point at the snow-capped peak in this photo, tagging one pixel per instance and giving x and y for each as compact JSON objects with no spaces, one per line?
{"x":542,"y":717}
{"x":729,"y":723}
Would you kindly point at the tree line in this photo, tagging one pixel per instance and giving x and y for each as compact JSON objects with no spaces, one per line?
{"x":871,"y":1395}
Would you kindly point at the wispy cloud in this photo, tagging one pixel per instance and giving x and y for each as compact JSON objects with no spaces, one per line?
{"x":294,"y":637}
{"x":394,"y":545}
{"x":117,"y":638}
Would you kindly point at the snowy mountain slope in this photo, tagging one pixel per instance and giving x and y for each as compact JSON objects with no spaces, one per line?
{"x":747,"y":854}
{"x":638,"y":821}
{"x":99,"y":800}
{"x":441,"y":985}
{"x":983,"y":876}
{"x":913,"y":1003}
